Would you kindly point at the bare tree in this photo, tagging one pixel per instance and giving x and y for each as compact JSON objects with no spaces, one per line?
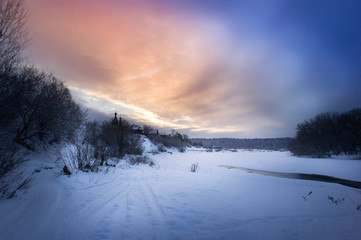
{"x":13,"y":39}
{"x":147,"y":129}
{"x":13,"y":35}
{"x":36,"y":106}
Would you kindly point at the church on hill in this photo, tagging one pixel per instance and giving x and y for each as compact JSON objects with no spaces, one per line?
{"x":115,"y":120}
{"x":137,"y":129}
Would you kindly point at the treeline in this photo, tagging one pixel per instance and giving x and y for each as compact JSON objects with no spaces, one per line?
{"x":36,"y":108}
{"x":96,"y":143}
{"x":175,"y":139}
{"x":329,"y":133}
{"x":105,"y":143}
{"x":237,"y":143}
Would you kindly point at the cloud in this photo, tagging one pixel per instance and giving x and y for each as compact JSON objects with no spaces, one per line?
{"x":178,"y":65}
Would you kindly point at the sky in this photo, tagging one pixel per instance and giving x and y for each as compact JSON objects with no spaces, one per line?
{"x":207,"y":68}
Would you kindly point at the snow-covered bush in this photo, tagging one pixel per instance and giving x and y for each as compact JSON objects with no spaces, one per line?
{"x":79,"y":156}
{"x":161,"y":147}
{"x":9,"y":160}
{"x":136,"y":160}
{"x":12,"y":178}
{"x":13,"y":182}
{"x":182,"y":149}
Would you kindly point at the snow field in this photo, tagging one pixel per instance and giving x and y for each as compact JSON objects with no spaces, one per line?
{"x":169,"y":201}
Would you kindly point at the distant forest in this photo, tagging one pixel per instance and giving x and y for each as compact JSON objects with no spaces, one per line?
{"x":329,"y":133}
{"x":243,"y":143}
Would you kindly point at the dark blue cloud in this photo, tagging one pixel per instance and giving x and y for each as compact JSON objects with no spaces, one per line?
{"x":325,"y":35}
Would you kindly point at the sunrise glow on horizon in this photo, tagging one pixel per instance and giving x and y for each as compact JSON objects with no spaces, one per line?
{"x":230,"y":69}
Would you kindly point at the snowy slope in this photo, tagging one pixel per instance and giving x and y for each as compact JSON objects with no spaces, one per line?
{"x":169,"y":201}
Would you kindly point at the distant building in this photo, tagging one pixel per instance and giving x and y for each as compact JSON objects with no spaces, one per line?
{"x":153,"y":132}
{"x":164,"y":135}
{"x":137,"y":129}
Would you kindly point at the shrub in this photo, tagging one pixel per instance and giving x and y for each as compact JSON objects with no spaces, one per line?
{"x":140,"y":160}
{"x":219,"y":149}
{"x":181,"y":149}
{"x":9,"y":160}
{"x":161,"y":147}
{"x":194,"y":167}
{"x":11,"y":178}
{"x":66,"y":170}
{"x":78,"y":156}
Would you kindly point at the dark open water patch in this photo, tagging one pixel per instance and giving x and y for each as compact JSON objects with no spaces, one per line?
{"x":304,"y":176}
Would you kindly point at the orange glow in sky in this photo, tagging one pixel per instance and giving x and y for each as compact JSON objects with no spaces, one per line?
{"x":149,"y":64}
{"x":223,"y":69}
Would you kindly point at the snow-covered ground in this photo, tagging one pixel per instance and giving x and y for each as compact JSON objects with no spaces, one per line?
{"x":168,"y":201}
